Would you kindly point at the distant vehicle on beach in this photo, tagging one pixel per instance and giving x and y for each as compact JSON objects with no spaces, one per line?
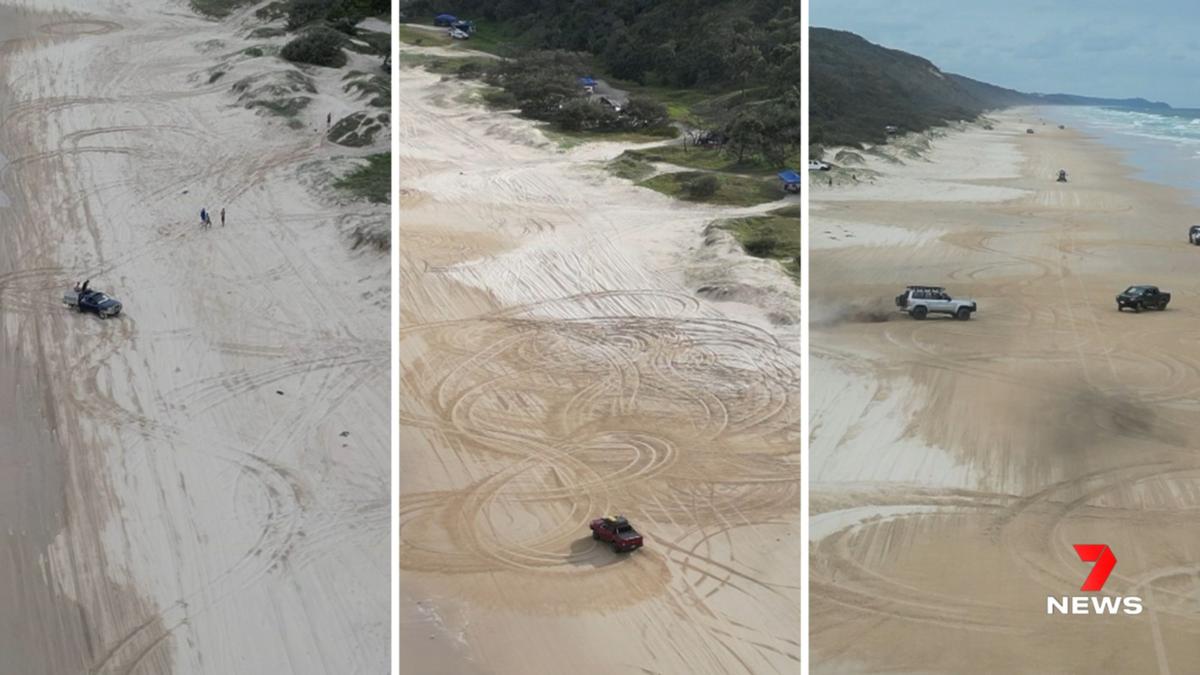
{"x":1138,"y":298}
{"x":921,"y":301}
{"x":1029,"y":131}
{"x":1194,"y":235}
{"x":817,"y":165}
{"x":1062,"y":175}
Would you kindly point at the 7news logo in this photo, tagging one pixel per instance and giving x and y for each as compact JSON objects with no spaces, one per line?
{"x":1094,"y":583}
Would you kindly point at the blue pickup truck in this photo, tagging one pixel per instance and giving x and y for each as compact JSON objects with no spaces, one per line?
{"x":87,"y":300}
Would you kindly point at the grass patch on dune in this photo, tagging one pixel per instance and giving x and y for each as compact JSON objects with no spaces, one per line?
{"x":441,"y":65}
{"x":288,"y":107}
{"x":570,"y":139}
{"x":372,"y":181}
{"x":218,"y":9}
{"x":727,"y":189}
{"x":630,"y":168}
{"x":710,"y":159}
{"x":493,"y":37}
{"x":681,"y":103}
{"x":773,"y":236}
{"x":379,"y":43}
{"x":267,"y":32}
{"x":424,"y":38}
{"x":377,"y":88}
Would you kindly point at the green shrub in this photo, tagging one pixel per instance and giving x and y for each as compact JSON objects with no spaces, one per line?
{"x":358,"y":129}
{"x":284,"y":107}
{"x":761,"y":246}
{"x":582,"y":114}
{"x":500,"y":99}
{"x":319,"y":46}
{"x":217,"y":9}
{"x":301,"y":13}
{"x":380,"y":42}
{"x":378,"y":87}
{"x":471,"y":70}
{"x":253,"y":52}
{"x":372,"y":181}
{"x":701,"y":187}
{"x":344,"y":25}
{"x":272,"y":11}
{"x":644,"y":113}
{"x":267,"y":32}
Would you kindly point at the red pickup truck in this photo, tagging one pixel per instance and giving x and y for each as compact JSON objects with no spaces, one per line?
{"x":618,"y":532}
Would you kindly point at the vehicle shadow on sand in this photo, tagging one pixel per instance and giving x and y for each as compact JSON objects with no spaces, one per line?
{"x":587,"y":552}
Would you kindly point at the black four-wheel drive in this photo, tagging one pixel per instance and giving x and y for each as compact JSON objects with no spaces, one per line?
{"x":1138,"y":298}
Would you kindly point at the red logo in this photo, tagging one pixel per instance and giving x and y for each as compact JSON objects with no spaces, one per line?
{"x":1105,"y":562}
{"x":1099,"y":603}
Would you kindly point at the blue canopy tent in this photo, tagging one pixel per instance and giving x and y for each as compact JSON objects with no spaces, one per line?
{"x":444,"y":19}
{"x":587,"y":81}
{"x":790,"y":179}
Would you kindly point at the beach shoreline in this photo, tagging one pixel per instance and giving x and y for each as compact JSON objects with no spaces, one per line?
{"x":943,"y":452}
{"x":42,"y":630}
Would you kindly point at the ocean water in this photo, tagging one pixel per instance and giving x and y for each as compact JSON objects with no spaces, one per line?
{"x":1161,"y":148}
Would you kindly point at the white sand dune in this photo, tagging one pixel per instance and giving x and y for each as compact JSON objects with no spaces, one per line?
{"x":223,"y":447}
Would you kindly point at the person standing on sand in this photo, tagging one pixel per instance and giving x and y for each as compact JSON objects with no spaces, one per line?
{"x":222,"y":216}
{"x":203,"y":215}
{"x":328,"y":120}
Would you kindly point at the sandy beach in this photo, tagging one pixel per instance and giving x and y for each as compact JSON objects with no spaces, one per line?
{"x":955,"y":463}
{"x":557,"y":365}
{"x":201,"y":484}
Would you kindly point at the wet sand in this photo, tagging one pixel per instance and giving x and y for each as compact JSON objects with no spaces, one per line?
{"x":42,"y":630}
{"x":955,"y":463}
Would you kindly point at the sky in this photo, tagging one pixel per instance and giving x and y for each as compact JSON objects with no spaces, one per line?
{"x":1146,"y":48}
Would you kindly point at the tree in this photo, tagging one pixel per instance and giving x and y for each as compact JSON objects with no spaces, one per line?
{"x":582,"y":114}
{"x":627,"y":60}
{"x":642,"y":113}
{"x":747,"y":133}
{"x":541,"y":82}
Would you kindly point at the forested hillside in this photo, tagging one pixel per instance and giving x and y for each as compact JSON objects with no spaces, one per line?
{"x":724,"y":44}
{"x":858,"y":88}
